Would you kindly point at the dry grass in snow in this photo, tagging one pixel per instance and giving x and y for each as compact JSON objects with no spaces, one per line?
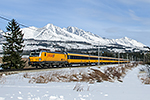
{"x":3,"y":74}
{"x":90,"y":75}
{"x":144,"y":74}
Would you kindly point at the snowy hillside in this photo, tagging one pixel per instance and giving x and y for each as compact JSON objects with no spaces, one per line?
{"x":19,"y":87}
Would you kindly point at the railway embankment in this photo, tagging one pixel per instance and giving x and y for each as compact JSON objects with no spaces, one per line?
{"x":90,"y":74}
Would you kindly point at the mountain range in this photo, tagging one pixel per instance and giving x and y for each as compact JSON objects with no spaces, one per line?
{"x":52,"y":37}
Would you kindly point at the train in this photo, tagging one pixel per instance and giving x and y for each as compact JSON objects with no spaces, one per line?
{"x":45,"y":58}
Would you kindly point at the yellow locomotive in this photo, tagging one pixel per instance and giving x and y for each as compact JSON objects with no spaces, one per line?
{"x":46,"y":58}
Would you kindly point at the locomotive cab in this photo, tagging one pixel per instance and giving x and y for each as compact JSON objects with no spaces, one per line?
{"x":35,"y":56}
{"x":46,"y":58}
{"x":35,"y":53}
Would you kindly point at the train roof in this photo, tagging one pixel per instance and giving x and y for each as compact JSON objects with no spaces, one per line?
{"x":86,"y":55}
{"x":71,"y":53}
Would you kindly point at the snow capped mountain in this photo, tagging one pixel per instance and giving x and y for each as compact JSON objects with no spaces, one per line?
{"x":73,"y":37}
{"x":92,"y":38}
{"x":54,"y":33}
{"x":50,"y":32}
{"x":126,"y":42}
{"x":129,"y":42}
{"x":88,"y":36}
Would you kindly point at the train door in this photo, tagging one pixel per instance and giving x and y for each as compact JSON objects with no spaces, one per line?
{"x":44,"y":54}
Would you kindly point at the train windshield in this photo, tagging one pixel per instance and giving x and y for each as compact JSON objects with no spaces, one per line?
{"x":35,"y":53}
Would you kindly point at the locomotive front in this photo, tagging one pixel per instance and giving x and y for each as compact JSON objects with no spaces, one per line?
{"x":46,"y":58}
{"x":35,"y":57}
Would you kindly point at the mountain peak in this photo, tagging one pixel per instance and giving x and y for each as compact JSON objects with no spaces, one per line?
{"x":49,"y":26}
{"x":126,"y":38}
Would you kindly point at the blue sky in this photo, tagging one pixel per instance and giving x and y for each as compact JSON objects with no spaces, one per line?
{"x":106,"y":18}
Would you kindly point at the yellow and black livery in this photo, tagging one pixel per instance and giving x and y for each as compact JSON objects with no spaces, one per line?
{"x":44,"y":57}
{"x":90,"y":59}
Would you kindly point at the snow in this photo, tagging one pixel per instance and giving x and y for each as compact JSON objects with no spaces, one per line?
{"x":129,"y":42}
{"x":16,"y":87}
{"x":51,"y":32}
{"x":55,"y":33}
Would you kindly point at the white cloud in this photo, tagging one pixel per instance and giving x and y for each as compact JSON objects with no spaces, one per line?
{"x":133,"y":16}
{"x":143,"y":20}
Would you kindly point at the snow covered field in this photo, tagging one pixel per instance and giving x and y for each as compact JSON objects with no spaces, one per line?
{"x":17,"y":87}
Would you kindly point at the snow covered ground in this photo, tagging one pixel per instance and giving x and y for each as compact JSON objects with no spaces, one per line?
{"x":16,"y":87}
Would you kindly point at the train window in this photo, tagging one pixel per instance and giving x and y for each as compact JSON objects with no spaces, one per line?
{"x":68,"y":56}
{"x":45,"y":54}
{"x":34,"y":54}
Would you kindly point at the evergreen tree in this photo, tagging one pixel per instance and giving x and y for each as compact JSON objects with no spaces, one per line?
{"x":13,"y":47}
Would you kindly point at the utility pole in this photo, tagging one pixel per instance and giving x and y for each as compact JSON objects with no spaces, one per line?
{"x":127,"y":57}
{"x":98,"y":53}
{"x":118,"y":57}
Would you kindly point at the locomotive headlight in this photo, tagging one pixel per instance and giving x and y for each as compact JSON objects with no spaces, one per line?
{"x":39,"y":59}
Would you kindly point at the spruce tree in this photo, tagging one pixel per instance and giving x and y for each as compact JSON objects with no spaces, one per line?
{"x":13,"y":47}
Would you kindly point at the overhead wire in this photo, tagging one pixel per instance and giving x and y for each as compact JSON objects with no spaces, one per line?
{"x":6,"y":19}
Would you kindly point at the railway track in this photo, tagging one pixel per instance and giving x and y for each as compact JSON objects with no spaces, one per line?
{"x":40,"y":69}
{"x":16,"y":71}
{"x":45,"y":69}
